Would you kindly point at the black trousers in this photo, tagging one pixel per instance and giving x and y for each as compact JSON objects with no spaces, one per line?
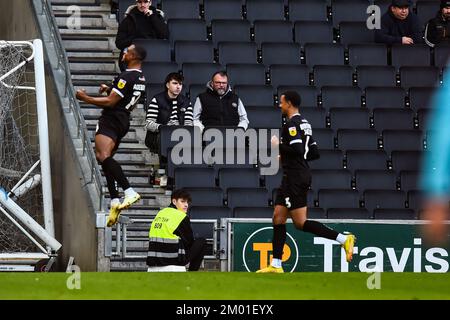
{"x":196,"y":254}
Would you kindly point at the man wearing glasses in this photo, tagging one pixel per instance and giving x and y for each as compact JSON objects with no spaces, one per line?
{"x":142,"y":21}
{"x":219,"y":106}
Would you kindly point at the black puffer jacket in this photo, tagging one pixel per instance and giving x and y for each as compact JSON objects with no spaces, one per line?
{"x":392,"y":29}
{"x":136,"y":25}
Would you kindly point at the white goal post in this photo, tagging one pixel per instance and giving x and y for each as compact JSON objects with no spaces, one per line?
{"x":14,"y":58}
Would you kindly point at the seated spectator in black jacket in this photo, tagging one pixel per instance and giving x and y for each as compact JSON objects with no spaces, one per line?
{"x":219,"y":106}
{"x":169,"y":107}
{"x":438,"y":29}
{"x":399,"y":25}
{"x":142,"y":21}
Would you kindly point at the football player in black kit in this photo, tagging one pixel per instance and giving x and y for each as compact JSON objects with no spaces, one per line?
{"x":297,"y":147}
{"x":114,"y":123}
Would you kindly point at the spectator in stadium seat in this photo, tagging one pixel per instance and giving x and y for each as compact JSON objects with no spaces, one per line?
{"x":297,"y":147}
{"x":114,"y":123}
{"x":169,"y":107}
{"x":438,"y":29}
{"x":172,"y":246}
{"x":219,"y":106}
{"x":142,"y":21}
{"x":399,"y":25}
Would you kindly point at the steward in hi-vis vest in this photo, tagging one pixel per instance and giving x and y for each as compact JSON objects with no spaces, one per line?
{"x":171,"y":240}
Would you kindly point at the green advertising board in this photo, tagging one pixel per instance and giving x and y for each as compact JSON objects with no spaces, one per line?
{"x":379,"y":247}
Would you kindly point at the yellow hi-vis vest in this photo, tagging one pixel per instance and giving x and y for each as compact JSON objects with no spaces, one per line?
{"x":165,"y":247}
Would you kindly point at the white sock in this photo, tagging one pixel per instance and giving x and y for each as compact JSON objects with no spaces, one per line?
{"x":115,"y":201}
{"x":341,"y":238}
{"x":276,"y":263}
{"x":129,"y":192}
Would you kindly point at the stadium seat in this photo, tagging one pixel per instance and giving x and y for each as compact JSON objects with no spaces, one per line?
{"x":189,"y":163}
{"x":384,"y":199}
{"x":441,"y":55}
{"x":375,"y":76}
{"x":253,"y":212}
{"x":329,"y":160}
{"x":375,"y":179}
{"x":330,"y":198}
{"x":212,"y":197}
{"x":324,"y":54}
{"x":308,"y":10}
{"x":385,"y":97}
{"x":288,"y":74}
{"x":153,"y":89}
{"x":241,"y":73}
{"x":331,"y":179}
{"x":195,"y":90}
{"x":324,"y":138}
{"x":417,"y":55}
{"x":426,"y":10}
{"x":422,"y":118}
{"x":273,"y":31}
{"x":263,"y":118}
{"x":366,"y":160}
{"x":350,"y":139}
{"x":230,"y":31}
{"x":255,"y":95}
{"x":385,"y":118}
{"x":395,"y":214}
{"x":265,"y":10}
{"x":156,"y":72}
{"x":409,"y":180}
{"x":157,"y":50}
{"x":308,"y":94}
{"x":316,"y":213}
{"x":222,"y":9}
{"x":181,"y":9}
{"x":209,"y":212}
{"x":273,"y":181}
{"x":419,"y":77}
{"x":367,"y":54}
{"x":194,"y":51}
{"x":199,"y":73}
{"x":280,"y":53}
{"x":421,"y":97}
{"x":383,"y":4}
{"x":333,"y":75}
{"x":167,"y":137}
{"x":247,"y":197}
{"x":402,"y":140}
{"x":237,"y":52}
{"x":416,"y":201}
{"x":313,"y":31}
{"x":406,"y":160}
{"x":356,"y":32}
{"x":349,"y":10}
{"x":341,"y":97}
{"x":194,"y":177}
{"x":349,"y":118}
{"x":239,"y":178}
{"x":186,"y":29}
{"x":315,"y":116}
{"x":348,"y":213}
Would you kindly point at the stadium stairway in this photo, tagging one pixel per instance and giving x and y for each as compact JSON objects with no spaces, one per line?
{"x":93,"y":59}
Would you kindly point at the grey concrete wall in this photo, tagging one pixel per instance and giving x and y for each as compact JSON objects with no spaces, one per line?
{"x":74,"y":218}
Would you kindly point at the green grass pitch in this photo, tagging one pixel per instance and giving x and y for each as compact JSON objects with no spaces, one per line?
{"x":224,"y":286}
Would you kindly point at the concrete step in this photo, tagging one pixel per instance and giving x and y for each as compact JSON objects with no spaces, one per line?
{"x":88,"y":32}
{"x":104,"y":55}
{"x":66,"y":2}
{"x":101,"y":78}
{"x":61,"y":7}
{"x":66,"y":21}
{"x":92,"y":66}
{"x":87,"y":44}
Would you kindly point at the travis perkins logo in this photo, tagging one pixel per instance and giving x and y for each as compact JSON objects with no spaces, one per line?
{"x":259,"y":242}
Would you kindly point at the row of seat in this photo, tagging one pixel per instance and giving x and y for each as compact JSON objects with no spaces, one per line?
{"x":291,"y":53}
{"x":210,"y":212}
{"x":361,"y":179}
{"x":326,"y":198}
{"x":323,"y":10}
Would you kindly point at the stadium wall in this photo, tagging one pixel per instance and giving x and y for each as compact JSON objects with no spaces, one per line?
{"x":75,"y":224}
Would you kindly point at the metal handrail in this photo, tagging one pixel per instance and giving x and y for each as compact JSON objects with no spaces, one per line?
{"x":74,"y":106}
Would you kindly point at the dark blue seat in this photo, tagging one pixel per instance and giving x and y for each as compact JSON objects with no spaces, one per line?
{"x":212,"y":197}
{"x":419,"y":77}
{"x":375,"y":179}
{"x":308,"y":10}
{"x":255,"y":95}
{"x":315,"y":116}
{"x":239,"y":178}
{"x":263,"y":117}
{"x":375,"y":76}
{"x":308,"y":94}
{"x":194,"y":51}
{"x":417,"y":55}
{"x":329,"y":159}
{"x":367,"y":54}
{"x":406,"y":160}
{"x":324,"y":138}
{"x":357,"y":139}
{"x":186,"y":29}
{"x":402,"y":140}
{"x":409,"y":180}
{"x":199,"y":73}
{"x":349,"y":10}
{"x":348,"y":213}
{"x":247,"y":197}
{"x":156,"y":72}
{"x":242,"y":73}
{"x":395,"y":214}
{"x":356,"y":32}
{"x":385,"y":97}
{"x":421,"y":97}
{"x":401,"y":119}
{"x":273,"y":31}
{"x":366,"y":160}
{"x":210,"y":212}
{"x":332,"y":198}
{"x":222,"y":9}
{"x":313,"y":31}
{"x":253,"y":212}
{"x":280,"y":53}
{"x":181,"y":9}
{"x":349,"y":118}
{"x":265,"y":10}
{"x":287,"y":74}
{"x":384,"y":199}
{"x":194,"y":177}
{"x":230,"y":31}
{"x":237,"y":52}
{"x":158,"y":50}
{"x":341,"y":97}
{"x":333,"y":75}
{"x":324,"y":54}
{"x":331,"y":179}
